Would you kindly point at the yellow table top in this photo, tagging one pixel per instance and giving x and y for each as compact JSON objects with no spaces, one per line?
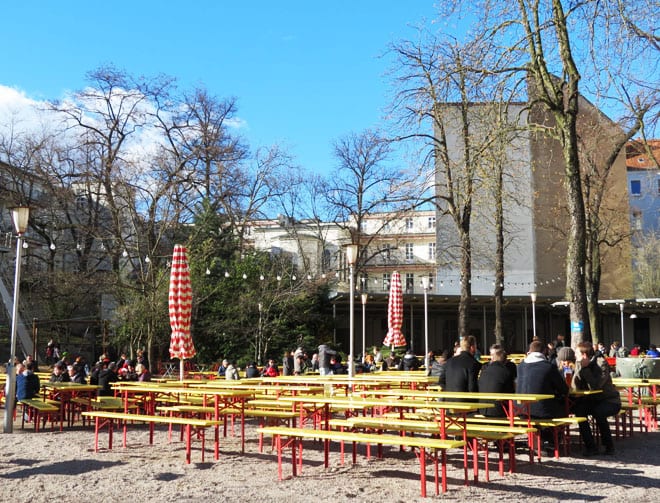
{"x":362,"y":403}
{"x":185,"y":391}
{"x":634,"y":381}
{"x":59,"y":386}
{"x":520,"y":397}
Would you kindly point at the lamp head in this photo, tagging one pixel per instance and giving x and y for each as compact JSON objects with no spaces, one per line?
{"x":351,"y":254}
{"x":20,"y":216}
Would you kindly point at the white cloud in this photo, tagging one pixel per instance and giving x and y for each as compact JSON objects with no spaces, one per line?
{"x":19,"y":113}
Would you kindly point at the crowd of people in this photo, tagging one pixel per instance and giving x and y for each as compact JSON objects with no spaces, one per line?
{"x":550,"y":369}
{"x":553,"y":369}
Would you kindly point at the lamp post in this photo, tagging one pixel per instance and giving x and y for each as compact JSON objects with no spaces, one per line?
{"x":533,"y":296}
{"x":351,"y":258}
{"x":623,"y":337}
{"x":364,"y":298}
{"x":425,"y":286}
{"x":20,"y":218}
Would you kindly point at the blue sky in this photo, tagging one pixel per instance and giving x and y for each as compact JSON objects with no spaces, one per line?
{"x":304,"y":73}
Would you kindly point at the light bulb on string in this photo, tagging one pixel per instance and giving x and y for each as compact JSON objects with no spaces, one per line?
{"x":124,"y":254}
{"x":279,"y":278}
{"x":244,"y":276}
{"x":208,"y":271}
{"x":261,"y":277}
{"x":25,"y":245}
{"x":147,"y":260}
{"x":293,"y":278}
{"x":309,"y":277}
{"x":226,"y":274}
{"x":52,"y":246}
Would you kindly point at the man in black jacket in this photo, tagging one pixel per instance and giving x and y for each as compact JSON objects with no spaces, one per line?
{"x":537,"y":375}
{"x":462,"y":370}
{"x":498,"y":376}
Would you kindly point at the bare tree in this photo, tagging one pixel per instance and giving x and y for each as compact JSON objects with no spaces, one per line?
{"x":440,"y":84}
{"x":363,"y":184}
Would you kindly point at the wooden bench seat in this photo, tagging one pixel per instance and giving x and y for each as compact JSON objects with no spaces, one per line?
{"x":109,"y":419}
{"x":38,"y":408}
{"x":296,"y":435}
{"x":556,"y":425}
{"x":266,"y":417}
{"x":479,"y":435}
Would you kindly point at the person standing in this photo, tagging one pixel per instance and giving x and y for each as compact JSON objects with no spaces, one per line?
{"x":592,"y":372}
{"x":287,"y":364}
{"x":325,"y":354}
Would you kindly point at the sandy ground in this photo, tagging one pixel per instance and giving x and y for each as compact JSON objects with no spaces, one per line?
{"x":53,"y":465}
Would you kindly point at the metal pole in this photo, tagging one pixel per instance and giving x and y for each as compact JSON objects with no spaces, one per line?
{"x":623,"y":337}
{"x":533,"y":295}
{"x":10,"y":390}
{"x":364,"y":325}
{"x":351,"y":258}
{"x":426,"y":330}
{"x":351,"y":322}
{"x":35,"y":337}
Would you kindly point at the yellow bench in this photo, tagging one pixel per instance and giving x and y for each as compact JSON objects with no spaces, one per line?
{"x":36,"y":407}
{"x":296,"y":435}
{"x":480,"y":435}
{"x":266,"y":417}
{"x":112,"y":418}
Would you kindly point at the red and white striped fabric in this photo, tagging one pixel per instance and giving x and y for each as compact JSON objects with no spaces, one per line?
{"x":395,"y":337}
{"x":180,"y":306}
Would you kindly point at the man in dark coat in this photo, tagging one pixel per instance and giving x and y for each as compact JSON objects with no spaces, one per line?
{"x":537,"y":375}
{"x":498,"y":376}
{"x":27,"y":382}
{"x":462,"y":370}
{"x":106,"y":377}
{"x":325,"y":353}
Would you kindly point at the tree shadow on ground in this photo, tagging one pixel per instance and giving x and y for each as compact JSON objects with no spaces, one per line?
{"x":70,"y":467}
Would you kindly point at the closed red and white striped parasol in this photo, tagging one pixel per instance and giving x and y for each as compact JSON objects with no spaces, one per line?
{"x":180,"y":307}
{"x":395,"y":337}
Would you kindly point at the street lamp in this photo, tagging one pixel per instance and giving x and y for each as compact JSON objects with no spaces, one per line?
{"x":364,"y":298}
{"x":425,"y":286}
{"x":20,"y":217}
{"x":533,"y":296}
{"x":351,"y":258}
{"x":623,"y":337}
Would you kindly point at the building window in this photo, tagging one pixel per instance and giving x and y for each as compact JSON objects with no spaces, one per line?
{"x":637,"y":221}
{"x":325,"y":261}
{"x":431,"y":222}
{"x":385,"y":253}
{"x":432,"y":251}
{"x":409,"y":223}
{"x":635,"y":187}
{"x":657,"y":182}
{"x":410,"y":282}
{"x":409,"y":251}
{"x":386,"y":282}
